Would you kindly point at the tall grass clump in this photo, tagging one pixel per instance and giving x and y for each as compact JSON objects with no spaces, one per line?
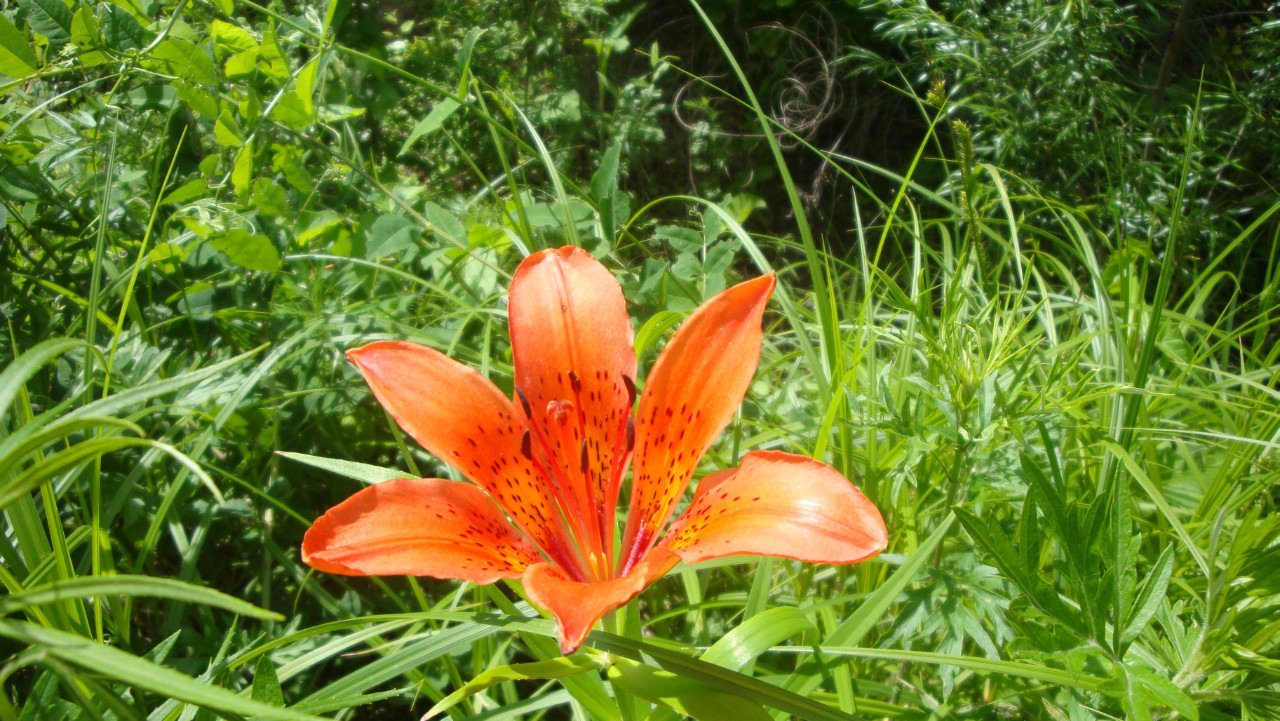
{"x":1063,"y":401}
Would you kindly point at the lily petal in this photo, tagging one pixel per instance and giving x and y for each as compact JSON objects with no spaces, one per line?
{"x":778,"y":504}
{"x":572,"y":345}
{"x":462,"y":418}
{"x":425,"y":527}
{"x":577,"y":605}
{"x":692,"y":392}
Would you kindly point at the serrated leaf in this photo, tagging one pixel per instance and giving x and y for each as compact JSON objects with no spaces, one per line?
{"x":1150,"y":598}
{"x":362,"y":472}
{"x":254,"y":252}
{"x":17,"y":59}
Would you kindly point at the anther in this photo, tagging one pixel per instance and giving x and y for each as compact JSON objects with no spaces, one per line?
{"x":575,"y":382}
{"x":559,"y":410}
{"x":631,"y":434}
{"x":526,"y":446}
{"x":524,"y":401}
{"x":631,"y":389}
{"x":583,"y":462}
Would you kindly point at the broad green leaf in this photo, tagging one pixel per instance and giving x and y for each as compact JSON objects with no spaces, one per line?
{"x":17,"y":59}
{"x":756,"y":635}
{"x":242,"y":171}
{"x":722,"y":679}
{"x":444,"y":223}
{"x":305,"y":85}
{"x":389,"y":236}
{"x":430,"y":124}
{"x":362,"y":472}
{"x":1150,"y":598}
{"x":255,"y":252}
{"x":653,"y":328}
{"x":113,"y":663}
{"x":197,"y":98}
{"x":266,"y":685}
{"x":227,"y":130}
{"x":562,"y":667}
{"x":242,"y":65}
{"x":268,"y":198}
{"x":131,"y":586}
{"x":182,"y":59}
{"x":231,"y":38}
{"x":28,"y":364}
{"x":50,"y":18}
{"x":318,"y":224}
{"x":605,"y":181}
{"x":121,"y":30}
{"x":291,"y":111}
{"x":87,"y":36}
{"x":189,"y":191}
{"x":272,"y":58}
{"x":37,"y":434}
{"x":73,"y":457}
{"x":683,"y":695}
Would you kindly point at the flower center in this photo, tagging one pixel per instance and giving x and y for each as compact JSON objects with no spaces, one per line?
{"x":582,"y":447}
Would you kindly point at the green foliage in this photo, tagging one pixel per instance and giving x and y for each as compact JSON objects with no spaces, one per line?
{"x":1044,"y":343}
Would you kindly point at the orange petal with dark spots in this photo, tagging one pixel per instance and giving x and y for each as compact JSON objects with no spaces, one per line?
{"x":462,"y":418}
{"x":427,"y":527}
{"x":571,"y":343}
{"x":778,"y":504}
{"x":576,"y":606}
{"x":692,"y":392}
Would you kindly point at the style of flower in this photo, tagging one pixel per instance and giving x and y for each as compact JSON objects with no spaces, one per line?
{"x":548,"y":465}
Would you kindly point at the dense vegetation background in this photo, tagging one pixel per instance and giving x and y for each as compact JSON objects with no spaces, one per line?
{"x":1029,"y":260}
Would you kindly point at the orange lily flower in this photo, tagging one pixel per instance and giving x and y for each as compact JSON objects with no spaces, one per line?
{"x":551,"y":460}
